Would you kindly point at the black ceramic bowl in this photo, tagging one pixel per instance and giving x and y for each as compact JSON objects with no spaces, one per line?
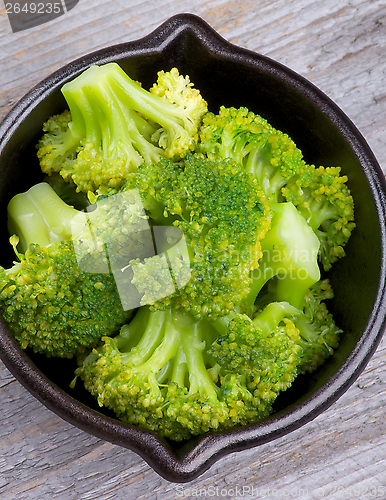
{"x":231,"y":76}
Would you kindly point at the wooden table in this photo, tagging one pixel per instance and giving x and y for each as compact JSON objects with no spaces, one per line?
{"x":340,"y":45}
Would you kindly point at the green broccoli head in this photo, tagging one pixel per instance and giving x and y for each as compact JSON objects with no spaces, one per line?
{"x":149,"y":375}
{"x":320,"y":194}
{"x":113,"y":125}
{"x":183,"y":103}
{"x":325,"y":201}
{"x":222,"y":214}
{"x":160,"y":373}
{"x":53,"y":307}
{"x":266,"y":153}
{"x":318,"y":333}
{"x":61,"y":296}
{"x":266,"y":354}
{"x":59,"y":143}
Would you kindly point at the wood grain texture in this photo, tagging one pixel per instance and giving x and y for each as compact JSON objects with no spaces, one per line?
{"x":340,"y":46}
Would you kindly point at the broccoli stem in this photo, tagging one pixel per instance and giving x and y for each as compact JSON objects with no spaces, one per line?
{"x":270,"y":179}
{"x":179,"y":370}
{"x":199,"y":379}
{"x":320,"y":213}
{"x":131,"y":333}
{"x":231,"y":147}
{"x":152,"y":324}
{"x":40,"y":216}
{"x":165,"y":351}
{"x":290,"y":249}
{"x":159,"y":111}
{"x":167,"y":334}
{"x":275,"y":312}
{"x":91,"y":109}
{"x":123,"y":125}
{"x":221,"y":323}
{"x":272,"y":315}
{"x":101,"y":89}
{"x":172,"y":344}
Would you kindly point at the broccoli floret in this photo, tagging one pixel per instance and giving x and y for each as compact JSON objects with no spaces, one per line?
{"x":223,"y":215}
{"x":161,"y":373}
{"x":264,"y":350}
{"x":300,"y":339}
{"x":50,"y":302}
{"x":153,"y":375}
{"x":320,"y":194}
{"x":113,"y":125}
{"x":263,"y":354}
{"x":59,"y":143}
{"x":319,"y":335}
{"x":317,"y":338}
{"x":161,"y":275}
{"x":54,"y":308}
{"x":325,"y":201}
{"x":268,"y":154}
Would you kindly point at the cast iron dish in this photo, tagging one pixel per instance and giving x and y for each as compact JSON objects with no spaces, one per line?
{"x":231,"y":76}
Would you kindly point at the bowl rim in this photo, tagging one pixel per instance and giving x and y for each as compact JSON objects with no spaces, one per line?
{"x":197,"y":456}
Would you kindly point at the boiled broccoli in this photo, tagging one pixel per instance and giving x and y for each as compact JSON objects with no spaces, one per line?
{"x":320,"y":194}
{"x":310,"y":330}
{"x":311,"y":339}
{"x":211,"y":226}
{"x":318,"y":334}
{"x":223,"y":215}
{"x":268,"y":154}
{"x":326,"y":203}
{"x":196,"y":361}
{"x":161,"y":373}
{"x":113,"y":125}
{"x":51,"y":303}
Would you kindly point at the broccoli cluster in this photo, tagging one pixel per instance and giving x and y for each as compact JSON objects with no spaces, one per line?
{"x":320,"y":194}
{"x":222,"y":213}
{"x":57,"y":300}
{"x":175,"y":253}
{"x":113,"y":125}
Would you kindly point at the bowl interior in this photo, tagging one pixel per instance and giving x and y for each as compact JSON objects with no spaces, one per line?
{"x":230,"y":76}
